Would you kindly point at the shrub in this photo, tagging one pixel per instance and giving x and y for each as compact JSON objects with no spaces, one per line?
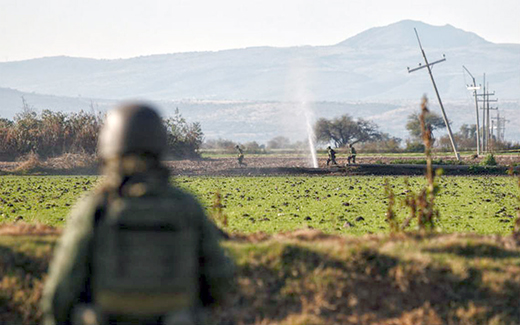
{"x":414,"y":147}
{"x":51,"y":134}
{"x":489,"y":160}
{"x":184,"y":139}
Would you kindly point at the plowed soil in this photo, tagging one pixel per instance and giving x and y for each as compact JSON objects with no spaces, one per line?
{"x":273,"y":165}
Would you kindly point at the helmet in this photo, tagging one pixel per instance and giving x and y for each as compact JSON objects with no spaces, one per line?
{"x":132,"y":128}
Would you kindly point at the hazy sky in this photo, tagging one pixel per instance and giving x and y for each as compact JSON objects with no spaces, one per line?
{"x":127,"y":28}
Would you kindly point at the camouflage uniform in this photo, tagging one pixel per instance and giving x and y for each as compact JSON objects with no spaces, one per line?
{"x":352,"y":155}
{"x":332,"y":156}
{"x":135,"y":251}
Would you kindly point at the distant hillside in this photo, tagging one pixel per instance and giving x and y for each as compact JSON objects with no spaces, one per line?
{"x":260,"y":121}
{"x":370,"y":66}
{"x":256,"y":93}
{"x":402,"y":35}
{"x":11,"y":102}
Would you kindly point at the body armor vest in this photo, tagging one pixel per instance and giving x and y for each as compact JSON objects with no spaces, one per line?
{"x":145,"y":257}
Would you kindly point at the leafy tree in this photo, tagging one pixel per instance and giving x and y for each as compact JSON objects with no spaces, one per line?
{"x":433,"y":120}
{"x":254,"y":147}
{"x":468,"y":131}
{"x":344,"y":130}
{"x":466,"y":138}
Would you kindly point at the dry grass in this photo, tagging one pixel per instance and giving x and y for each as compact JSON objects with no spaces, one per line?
{"x":69,"y":163}
{"x":26,"y":229}
{"x":29,"y":162}
{"x":307,"y":277}
{"x":72,"y":161}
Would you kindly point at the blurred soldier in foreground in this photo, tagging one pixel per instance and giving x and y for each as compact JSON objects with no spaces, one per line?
{"x":136,"y":251}
{"x":352,"y":155}
{"x":332,"y":156}
{"x":240,"y":157}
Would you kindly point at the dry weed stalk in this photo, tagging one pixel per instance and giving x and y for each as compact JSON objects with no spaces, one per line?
{"x":422,"y":204}
{"x":218,"y":214}
{"x":410,"y":202}
{"x":425,"y":201}
{"x":390,"y":214}
{"x":516,"y":230}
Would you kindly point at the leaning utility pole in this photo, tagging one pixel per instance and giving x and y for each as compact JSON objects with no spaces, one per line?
{"x":475,"y":88}
{"x":429,"y":67}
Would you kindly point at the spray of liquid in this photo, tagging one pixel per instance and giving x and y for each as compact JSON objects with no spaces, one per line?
{"x":310,"y":134}
{"x":299,"y":93}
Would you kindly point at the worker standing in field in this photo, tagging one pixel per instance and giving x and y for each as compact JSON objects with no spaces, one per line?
{"x":352,"y":156}
{"x":137,"y":250}
{"x":240,"y":156}
{"x":332,"y":156}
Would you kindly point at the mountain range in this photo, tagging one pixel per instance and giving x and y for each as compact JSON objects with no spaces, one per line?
{"x":366,"y":70}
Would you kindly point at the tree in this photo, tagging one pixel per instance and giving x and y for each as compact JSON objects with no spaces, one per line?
{"x":254,"y":147}
{"x":386,"y":143}
{"x":184,"y":139}
{"x":433,"y":120}
{"x":279,"y":142}
{"x":466,"y":138}
{"x":344,"y":130}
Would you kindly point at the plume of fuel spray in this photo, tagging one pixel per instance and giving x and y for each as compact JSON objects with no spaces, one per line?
{"x":299,"y":92}
{"x":311,"y":137}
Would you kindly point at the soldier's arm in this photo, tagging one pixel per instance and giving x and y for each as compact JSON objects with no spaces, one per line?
{"x":216,"y":268}
{"x":69,"y":269}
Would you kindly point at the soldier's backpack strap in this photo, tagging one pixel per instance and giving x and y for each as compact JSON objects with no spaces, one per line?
{"x":101,"y":209}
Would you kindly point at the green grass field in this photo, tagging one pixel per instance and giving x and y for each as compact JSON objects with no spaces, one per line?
{"x":344,"y":205}
{"x":307,"y":277}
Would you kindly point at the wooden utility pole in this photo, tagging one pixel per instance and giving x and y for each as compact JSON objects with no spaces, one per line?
{"x":429,"y":67}
{"x":485,"y":116}
{"x":474,"y":87}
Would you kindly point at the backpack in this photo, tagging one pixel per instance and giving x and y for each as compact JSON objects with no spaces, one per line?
{"x":145,"y":259}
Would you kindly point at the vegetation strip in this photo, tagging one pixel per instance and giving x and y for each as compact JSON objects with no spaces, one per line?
{"x":308,"y":277}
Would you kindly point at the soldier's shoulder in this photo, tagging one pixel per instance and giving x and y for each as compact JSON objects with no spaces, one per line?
{"x":92,"y":199}
{"x":181,"y":195}
{"x":84,"y":209}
